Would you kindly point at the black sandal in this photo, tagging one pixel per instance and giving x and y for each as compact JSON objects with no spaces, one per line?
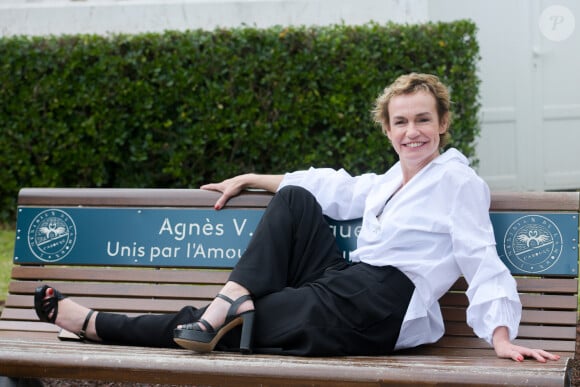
{"x":191,"y":336}
{"x":47,"y":308}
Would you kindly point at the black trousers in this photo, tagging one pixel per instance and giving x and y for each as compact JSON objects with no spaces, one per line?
{"x":308,"y":300}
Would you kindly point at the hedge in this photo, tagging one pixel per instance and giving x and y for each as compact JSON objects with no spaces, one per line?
{"x":177,"y":109}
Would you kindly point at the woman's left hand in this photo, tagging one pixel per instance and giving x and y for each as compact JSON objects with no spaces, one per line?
{"x":506,"y":349}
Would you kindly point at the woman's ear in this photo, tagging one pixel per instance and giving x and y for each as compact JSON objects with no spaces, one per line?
{"x":386,"y":129}
{"x":444,"y":123}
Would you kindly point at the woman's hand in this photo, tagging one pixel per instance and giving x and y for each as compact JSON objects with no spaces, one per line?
{"x":235,"y":185}
{"x":229,"y":188}
{"x":506,"y":349}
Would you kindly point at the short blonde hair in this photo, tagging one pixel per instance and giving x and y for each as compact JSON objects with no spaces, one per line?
{"x":410,"y":84}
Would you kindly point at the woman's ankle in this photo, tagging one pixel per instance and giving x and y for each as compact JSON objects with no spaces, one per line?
{"x":234,"y":290}
{"x":72,"y":316}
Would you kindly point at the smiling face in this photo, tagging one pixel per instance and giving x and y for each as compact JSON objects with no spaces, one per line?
{"x":414,"y":129}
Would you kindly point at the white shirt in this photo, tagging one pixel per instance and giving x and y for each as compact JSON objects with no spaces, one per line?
{"x":435,"y":229}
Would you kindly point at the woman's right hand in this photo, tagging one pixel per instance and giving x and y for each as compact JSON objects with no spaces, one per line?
{"x":228,"y":188}
{"x":235,"y":185}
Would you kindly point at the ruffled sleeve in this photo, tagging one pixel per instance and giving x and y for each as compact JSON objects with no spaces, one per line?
{"x":492,"y":291}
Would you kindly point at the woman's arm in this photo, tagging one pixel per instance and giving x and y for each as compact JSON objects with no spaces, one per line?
{"x":232,"y":187}
{"x":495,"y":309}
{"x":506,"y":349}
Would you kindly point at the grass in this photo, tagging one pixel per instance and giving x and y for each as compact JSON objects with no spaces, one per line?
{"x":7,"y":236}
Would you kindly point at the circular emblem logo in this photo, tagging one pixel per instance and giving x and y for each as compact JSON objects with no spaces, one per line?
{"x":557,"y":23}
{"x":51,"y":235}
{"x":533,"y":243}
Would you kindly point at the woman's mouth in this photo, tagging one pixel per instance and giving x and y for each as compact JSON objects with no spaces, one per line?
{"x":413,"y":144}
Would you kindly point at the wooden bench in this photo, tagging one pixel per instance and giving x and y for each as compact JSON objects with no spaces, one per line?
{"x":154,"y":250}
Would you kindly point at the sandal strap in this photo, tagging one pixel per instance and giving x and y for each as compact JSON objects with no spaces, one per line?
{"x":233,"y":310}
{"x":240,"y":300}
{"x":224,"y":297}
{"x":83,"y":332}
{"x":231,"y":313}
{"x":207,"y":325}
{"x":195,"y":325}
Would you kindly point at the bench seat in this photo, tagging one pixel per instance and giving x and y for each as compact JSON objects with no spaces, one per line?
{"x":71,"y":360}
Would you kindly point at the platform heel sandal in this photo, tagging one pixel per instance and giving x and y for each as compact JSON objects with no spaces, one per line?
{"x":192,"y":336}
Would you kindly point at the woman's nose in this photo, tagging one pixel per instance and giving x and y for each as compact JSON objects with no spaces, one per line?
{"x":412,"y":131}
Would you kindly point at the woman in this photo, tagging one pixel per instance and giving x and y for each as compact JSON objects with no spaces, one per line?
{"x":425,"y":223}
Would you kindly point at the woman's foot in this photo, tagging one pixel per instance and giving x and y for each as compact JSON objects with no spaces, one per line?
{"x":51,"y":306}
{"x":216,"y":312}
{"x":233,"y":306}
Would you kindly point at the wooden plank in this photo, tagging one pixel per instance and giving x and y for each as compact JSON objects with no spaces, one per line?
{"x":549,"y":302}
{"x":125,"y":364}
{"x":219,"y":276}
{"x":27,"y":326}
{"x":534,"y":285}
{"x":547,"y":332}
{"x":535,"y":201}
{"x":159,"y":197}
{"x":430,"y":350}
{"x":529,"y":316}
{"x":116,"y":304}
{"x":128,"y":290}
{"x":9,"y":313}
{"x":546,"y":301}
{"x":549,"y":317}
{"x":547,"y":285}
{"x":476,"y":343}
{"x":524,"y":331}
{"x":135,"y":197}
{"x":29,"y":315}
{"x":114,"y":274}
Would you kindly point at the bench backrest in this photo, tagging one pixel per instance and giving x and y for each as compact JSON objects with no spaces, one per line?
{"x":155,"y":250}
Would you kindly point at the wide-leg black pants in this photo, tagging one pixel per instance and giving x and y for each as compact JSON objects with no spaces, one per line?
{"x":308,"y":300}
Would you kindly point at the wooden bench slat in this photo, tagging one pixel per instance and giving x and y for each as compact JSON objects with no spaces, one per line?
{"x":547,"y":285}
{"x":432,"y":350}
{"x":186,"y":276}
{"x":535,"y":201}
{"x":29,"y":315}
{"x":567,"y":302}
{"x":235,"y":369}
{"x":9,"y":313}
{"x":547,"y":332}
{"x":117,"y":304}
{"x":553,"y":317}
{"x":549,"y":317}
{"x":535,"y":285}
{"x":473,"y":342}
{"x":143,"y":305}
{"x":186,"y":291}
{"x":527,"y":331}
{"x":525,"y":285}
{"x":33,"y":326}
{"x":134,"y":197}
